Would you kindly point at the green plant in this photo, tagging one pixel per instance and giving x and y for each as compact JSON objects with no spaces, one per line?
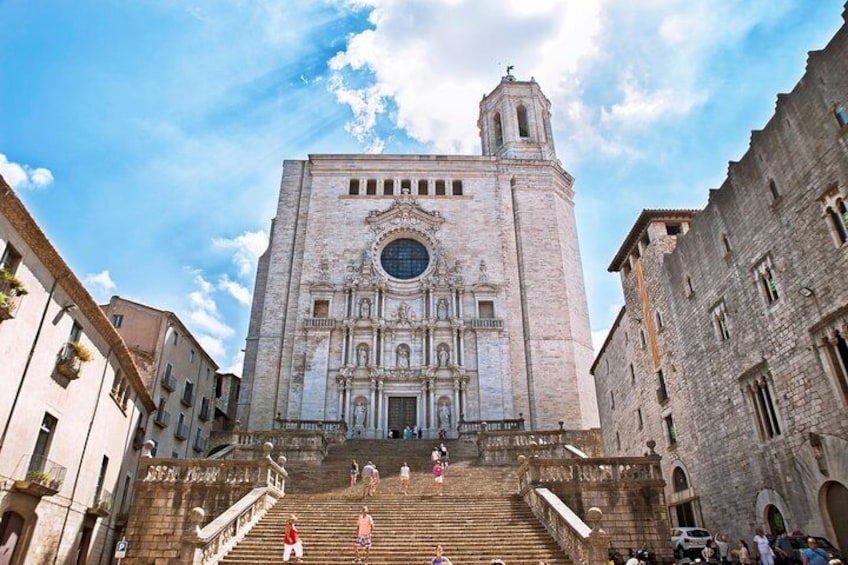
{"x":38,"y":477}
{"x":104,"y":504}
{"x":81,"y":351}
{"x":14,"y":284}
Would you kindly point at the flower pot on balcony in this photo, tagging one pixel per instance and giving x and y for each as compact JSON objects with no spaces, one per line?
{"x":11,"y":289}
{"x":71,"y":358}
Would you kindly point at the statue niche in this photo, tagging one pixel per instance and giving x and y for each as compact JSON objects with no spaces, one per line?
{"x":364,"y":309}
{"x":443,"y":355}
{"x":402,"y":359}
{"x":442,"y":309}
{"x":362,"y":355}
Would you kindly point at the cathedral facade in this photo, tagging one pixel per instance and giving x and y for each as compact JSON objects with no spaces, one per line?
{"x":425,"y":289}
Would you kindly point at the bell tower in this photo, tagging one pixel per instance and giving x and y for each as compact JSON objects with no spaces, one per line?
{"x":515,"y":121}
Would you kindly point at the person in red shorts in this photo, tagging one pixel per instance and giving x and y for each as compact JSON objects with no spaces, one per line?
{"x":291,"y":541}
{"x":364,"y":528}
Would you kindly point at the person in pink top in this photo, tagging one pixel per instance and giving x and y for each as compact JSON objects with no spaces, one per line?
{"x":439,"y":477}
{"x":364,"y":528}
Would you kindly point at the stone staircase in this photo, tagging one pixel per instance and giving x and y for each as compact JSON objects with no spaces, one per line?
{"x":480,"y":517}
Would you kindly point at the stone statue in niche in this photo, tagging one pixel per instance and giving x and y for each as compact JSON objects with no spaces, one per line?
{"x":443,"y":355}
{"x":364,"y":309}
{"x":444,"y":416}
{"x":403,"y":357}
{"x":362,"y":356}
{"x":484,"y":275}
{"x":442,"y":309}
{"x":359,"y":413}
{"x":403,"y":311}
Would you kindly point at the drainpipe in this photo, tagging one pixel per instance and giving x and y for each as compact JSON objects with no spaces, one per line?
{"x":29,"y":359}
{"x":82,"y":456}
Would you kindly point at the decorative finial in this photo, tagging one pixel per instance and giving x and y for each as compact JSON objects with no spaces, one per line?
{"x":509,"y":73}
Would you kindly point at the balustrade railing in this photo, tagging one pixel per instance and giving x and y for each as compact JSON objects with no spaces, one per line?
{"x":329,"y":426}
{"x":262,"y":472}
{"x":486,"y":323}
{"x":503,"y":447}
{"x":319,"y":323}
{"x":580,"y":473}
{"x":480,"y":426}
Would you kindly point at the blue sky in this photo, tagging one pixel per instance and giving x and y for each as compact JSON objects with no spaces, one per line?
{"x":147,"y":137}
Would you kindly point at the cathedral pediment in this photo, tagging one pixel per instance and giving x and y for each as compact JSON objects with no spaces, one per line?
{"x":405,"y":212}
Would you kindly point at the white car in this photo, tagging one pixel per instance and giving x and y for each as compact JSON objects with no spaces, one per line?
{"x":685,"y":539}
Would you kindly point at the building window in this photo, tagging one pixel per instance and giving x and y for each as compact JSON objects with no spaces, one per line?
{"x":612,"y":400}
{"x":321,"y":309}
{"x":353,"y":187}
{"x":720,"y":323}
{"x":10,"y":260}
{"x":486,"y":309}
{"x":523,"y":129}
{"x":117,"y":320}
{"x":679,"y":480}
{"x":690,"y":290}
{"x":764,"y":275}
{"x":632,"y":375}
{"x":617,"y":441}
{"x":640,"y":424}
{"x":388,"y":186}
{"x":836,"y":350}
{"x":423,"y":187}
{"x":498,"y":130}
{"x":188,"y":393}
{"x":101,"y":480}
{"x":673,"y":229}
{"x":662,"y":391}
{"x":405,"y":186}
{"x":659,"y":320}
{"x":404,"y":259}
{"x":773,"y":189}
{"x":841,"y":115}
{"x":457,"y":188}
{"x":761,"y":397}
{"x":39,"y":462}
{"x":838,"y":215}
{"x":219,"y":383}
{"x":371,"y":186}
{"x":725,"y":242}
{"x":670,"y":431}
{"x":191,"y":356}
{"x":642,"y":339}
{"x":175,"y":338}
{"x":440,"y":188}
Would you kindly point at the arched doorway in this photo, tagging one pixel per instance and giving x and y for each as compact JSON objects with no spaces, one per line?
{"x":11,"y":530}
{"x":684,"y":509}
{"x":835,"y":502}
{"x":774,"y":519}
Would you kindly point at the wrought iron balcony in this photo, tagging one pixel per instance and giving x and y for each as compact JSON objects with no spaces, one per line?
{"x":181,"y":432}
{"x":102,"y":504}
{"x":38,"y":476}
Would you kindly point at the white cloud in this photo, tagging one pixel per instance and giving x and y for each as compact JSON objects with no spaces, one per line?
{"x":236,"y":290}
{"x":598,"y":338}
{"x":213,"y":346}
{"x":100,"y":285}
{"x":246,"y":247}
{"x":236,"y":364}
{"x":204,"y":320}
{"x":23,"y":176}
{"x":424,"y":64}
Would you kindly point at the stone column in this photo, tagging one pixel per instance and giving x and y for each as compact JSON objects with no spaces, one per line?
{"x":463,"y":397}
{"x":455,"y":411}
{"x":422,"y":403}
{"x":460,"y":353}
{"x":345,"y":337}
{"x":380,"y":403}
{"x":432,"y":411}
{"x":349,"y":402}
{"x":373,"y":405}
{"x":342,"y":392}
{"x":459,"y":312}
{"x":373,"y":346}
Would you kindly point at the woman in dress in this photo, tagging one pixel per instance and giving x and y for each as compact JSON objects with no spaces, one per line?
{"x":354,"y":472}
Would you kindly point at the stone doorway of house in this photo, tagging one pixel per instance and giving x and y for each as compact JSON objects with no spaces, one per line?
{"x":11,"y":531}
{"x":834,"y":500}
{"x":403,"y":411}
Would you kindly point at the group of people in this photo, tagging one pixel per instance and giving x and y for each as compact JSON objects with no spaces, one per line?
{"x":413,"y":432}
{"x":765,"y":551}
{"x":361,"y":544}
{"x":370,"y":475}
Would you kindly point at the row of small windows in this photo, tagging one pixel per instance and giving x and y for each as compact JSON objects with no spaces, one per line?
{"x":386,"y":187}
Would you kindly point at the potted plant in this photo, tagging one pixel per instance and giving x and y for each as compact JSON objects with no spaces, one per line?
{"x":80,"y":351}
{"x":39,"y":477}
{"x":10,"y":289}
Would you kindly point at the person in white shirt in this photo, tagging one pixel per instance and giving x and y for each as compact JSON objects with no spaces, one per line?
{"x":764,"y":548}
{"x":404,"y":478}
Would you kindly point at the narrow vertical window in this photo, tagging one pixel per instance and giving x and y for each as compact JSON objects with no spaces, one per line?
{"x":457,"y":188}
{"x":669,"y":428}
{"x":725,"y":241}
{"x":642,"y":338}
{"x":773,"y":189}
{"x":405,"y":186}
{"x":440,"y":188}
{"x":659,"y":320}
{"x":689,"y":288}
{"x":612,"y":400}
{"x":837,"y":353}
{"x":720,"y":323}
{"x":523,"y":129}
{"x":39,"y":462}
{"x":662,"y":391}
{"x":498,"y":130}
{"x":639,"y":422}
{"x":765,"y":412}
{"x":632,"y":375}
{"x":388,"y":186}
{"x":117,"y":320}
{"x":617,"y":441}
{"x":769,"y":285}
{"x":423,"y":187}
{"x":10,"y":259}
{"x":353,"y":187}
{"x":371,"y":188}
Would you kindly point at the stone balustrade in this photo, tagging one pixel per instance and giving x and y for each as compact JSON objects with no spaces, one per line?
{"x":585,"y":545}
{"x":296,"y":445}
{"x":211,"y":543}
{"x":503,"y":447}
{"x":480,"y":426}
{"x":576,"y":473}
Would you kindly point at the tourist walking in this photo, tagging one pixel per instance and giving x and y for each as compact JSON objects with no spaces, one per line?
{"x":443,"y":453}
{"x":744,"y":553}
{"x":764,"y":548}
{"x":404,"y":478}
{"x":364,"y":530}
{"x":375,"y":480}
{"x":354,"y":472}
{"x":366,"y":478}
{"x":440,"y":559}
{"x":721,"y":548}
{"x":814,"y":555}
{"x":291,"y":541}
{"x":436,"y":456}
{"x":439,"y":477}
{"x":708,"y":554}
{"x":785,"y":554}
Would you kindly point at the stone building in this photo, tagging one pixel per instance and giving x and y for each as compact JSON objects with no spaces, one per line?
{"x":425,"y":289}
{"x":71,"y":404}
{"x":180,"y":376}
{"x":731,"y":348}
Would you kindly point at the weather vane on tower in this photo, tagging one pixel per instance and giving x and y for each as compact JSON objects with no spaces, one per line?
{"x":509,"y":72}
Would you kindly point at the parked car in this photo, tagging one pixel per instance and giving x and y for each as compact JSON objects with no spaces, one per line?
{"x":799,"y":543}
{"x":688,"y":541}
